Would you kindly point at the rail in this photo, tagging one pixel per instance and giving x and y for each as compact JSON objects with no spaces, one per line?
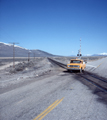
{"x":58,"y":63}
{"x":96,"y":80}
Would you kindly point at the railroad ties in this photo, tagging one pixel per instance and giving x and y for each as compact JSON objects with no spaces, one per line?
{"x":58,"y":63}
{"x":98,"y":81}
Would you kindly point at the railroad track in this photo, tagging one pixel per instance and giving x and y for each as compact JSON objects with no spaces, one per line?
{"x":95,"y":80}
{"x":100,"y":83}
{"x":58,"y":63}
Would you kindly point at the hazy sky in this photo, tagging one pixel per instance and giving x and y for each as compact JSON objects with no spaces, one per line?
{"x":55,"y":26}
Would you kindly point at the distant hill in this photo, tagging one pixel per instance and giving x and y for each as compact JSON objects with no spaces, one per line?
{"x":6,"y":50}
{"x":100,"y":54}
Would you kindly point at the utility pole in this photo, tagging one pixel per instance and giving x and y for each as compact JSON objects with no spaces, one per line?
{"x":29,"y":55}
{"x":79,"y":51}
{"x":80,"y":46}
{"x":34,"y":55}
{"x":14,"y":53}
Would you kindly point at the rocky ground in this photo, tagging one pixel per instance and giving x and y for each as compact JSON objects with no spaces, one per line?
{"x":23,"y":71}
{"x":37,"y":67}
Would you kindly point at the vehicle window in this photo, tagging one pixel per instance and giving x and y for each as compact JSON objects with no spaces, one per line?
{"x":75,"y":61}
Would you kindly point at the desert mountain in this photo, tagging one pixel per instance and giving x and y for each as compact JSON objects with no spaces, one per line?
{"x":6,"y":50}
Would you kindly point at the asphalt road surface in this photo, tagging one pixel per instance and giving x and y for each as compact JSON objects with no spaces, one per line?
{"x":57,"y":97}
{"x":99,"y":67}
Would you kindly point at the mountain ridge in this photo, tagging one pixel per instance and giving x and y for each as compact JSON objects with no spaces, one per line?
{"x":6,"y":50}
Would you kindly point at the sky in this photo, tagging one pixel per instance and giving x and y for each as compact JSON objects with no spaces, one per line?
{"x":55,"y":26}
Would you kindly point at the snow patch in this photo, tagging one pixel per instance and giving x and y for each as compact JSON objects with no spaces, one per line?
{"x":88,"y":55}
{"x":103,"y":53}
{"x":6,"y":44}
{"x":20,"y":47}
{"x":12,"y":45}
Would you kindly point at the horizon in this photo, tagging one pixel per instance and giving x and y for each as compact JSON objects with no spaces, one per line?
{"x":53,"y":54}
{"x":55,"y":26}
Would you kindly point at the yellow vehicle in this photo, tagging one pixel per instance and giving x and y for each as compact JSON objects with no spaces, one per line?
{"x":76,"y":64}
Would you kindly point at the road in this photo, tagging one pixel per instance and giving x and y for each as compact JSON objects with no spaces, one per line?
{"x":59,"y":96}
{"x":99,"y":67}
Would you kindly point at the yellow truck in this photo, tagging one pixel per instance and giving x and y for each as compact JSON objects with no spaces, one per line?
{"x":76,"y":64}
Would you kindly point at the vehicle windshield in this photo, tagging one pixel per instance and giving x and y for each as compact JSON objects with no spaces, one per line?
{"x":75,"y":61}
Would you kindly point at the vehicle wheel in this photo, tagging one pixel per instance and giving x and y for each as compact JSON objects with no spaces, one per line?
{"x":80,"y":70}
{"x":69,"y":70}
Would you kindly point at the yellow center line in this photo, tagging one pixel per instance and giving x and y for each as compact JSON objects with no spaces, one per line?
{"x":49,"y":109}
{"x":46,"y":110}
{"x":19,"y":101}
{"x":100,"y":63}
